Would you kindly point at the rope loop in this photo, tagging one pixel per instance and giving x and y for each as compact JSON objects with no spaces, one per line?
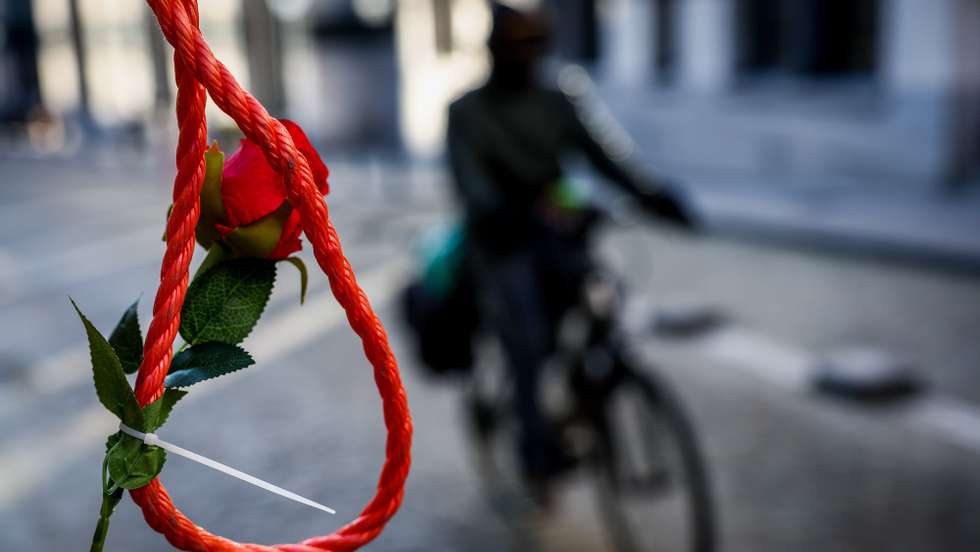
{"x":200,"y":74}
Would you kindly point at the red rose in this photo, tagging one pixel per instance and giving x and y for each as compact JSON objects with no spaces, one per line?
{"x":244,"y":204}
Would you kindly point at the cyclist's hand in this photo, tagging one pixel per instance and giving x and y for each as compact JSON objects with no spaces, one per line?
{"x":564,"y":220}
{"x":670,"y":205}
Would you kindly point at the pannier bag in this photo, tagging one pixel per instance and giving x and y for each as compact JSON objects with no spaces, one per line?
{"x":439,"y":304}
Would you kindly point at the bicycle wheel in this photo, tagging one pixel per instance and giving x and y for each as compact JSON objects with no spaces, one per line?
{"x":652,"y":488}
{"x":642,"y":484}
{"x":491,"y":430}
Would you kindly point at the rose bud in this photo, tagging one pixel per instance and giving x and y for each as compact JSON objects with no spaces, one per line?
{"x":243,"y":200}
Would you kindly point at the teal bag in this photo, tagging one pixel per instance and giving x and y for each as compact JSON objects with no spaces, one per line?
{"x":441,"y":252}
{"x":439,"y":304}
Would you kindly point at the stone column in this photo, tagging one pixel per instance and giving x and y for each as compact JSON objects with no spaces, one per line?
{"x":629,"y":42}
{"x":917,"y":45}
{"x":263,"y":40}
{"x":77,"y":29}
{"x":707,"y":44}
{"x":965,"y":111}
{"x":160,"y":57}
{"x":917,"y":73}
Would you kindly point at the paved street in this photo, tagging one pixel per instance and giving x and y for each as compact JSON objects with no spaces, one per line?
{"x":792,"y":470}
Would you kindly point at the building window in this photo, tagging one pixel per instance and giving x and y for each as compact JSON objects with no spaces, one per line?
{"x":816,"y":38}
{"x":665,"y":27}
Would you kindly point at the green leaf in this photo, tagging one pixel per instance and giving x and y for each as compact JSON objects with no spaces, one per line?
{"x":304,"y":276}
{"x":133,"y":464}
{"x":112,"y":440}
{"x":205,"y":361}
{"x":157,"y":412}
{"x":111,"y":386}
{"x":224,"y":303}
{"x":127,"y":341}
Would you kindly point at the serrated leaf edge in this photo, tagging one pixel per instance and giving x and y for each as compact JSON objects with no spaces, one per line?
{"x":149,"y":425}
{"x":179,"y":387}
{"x":139,"y":332}
{"x":89,"y":326}
{"x":265,"y":304}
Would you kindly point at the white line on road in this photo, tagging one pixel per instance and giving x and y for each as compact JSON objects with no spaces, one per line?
{"x":32,"y":459}
{"x":766,"y":358}
{"x":90,"y":261}
{"x":68,"y":367}
{"x":955,"y":421}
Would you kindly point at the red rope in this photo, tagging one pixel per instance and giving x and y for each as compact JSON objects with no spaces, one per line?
{"x":199,"y":73}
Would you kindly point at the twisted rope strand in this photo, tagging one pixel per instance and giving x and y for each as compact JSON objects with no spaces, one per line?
{"x":191,"y":143}
{"x":197,"y":70}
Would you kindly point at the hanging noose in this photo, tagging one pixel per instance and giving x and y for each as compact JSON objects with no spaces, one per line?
{"x":199,"y":74}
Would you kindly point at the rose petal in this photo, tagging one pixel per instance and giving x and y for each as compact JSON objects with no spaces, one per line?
{"x":289,"y":242}
{"x":250,"y":188}
{"x":320,"y":171}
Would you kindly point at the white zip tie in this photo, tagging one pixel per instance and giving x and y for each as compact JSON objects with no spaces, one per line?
{"x":152,"y":439}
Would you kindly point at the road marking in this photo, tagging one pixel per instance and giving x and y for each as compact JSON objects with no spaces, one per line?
{"x":53,"y":374}
{"x":765,"y":357}
{"x":955,"y":421}
{"x":93,"y":260}
{"x":46,"y":377}
{"x":30,"y":460}
{"x":69,"y":367}
{"x":24,"y":218}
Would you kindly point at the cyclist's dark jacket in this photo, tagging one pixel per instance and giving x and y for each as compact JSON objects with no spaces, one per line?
{"x":505,"y":148}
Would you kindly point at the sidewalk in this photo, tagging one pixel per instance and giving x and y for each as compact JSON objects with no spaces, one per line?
{"x":870,"y":219}
{"x":920,"y":225}
{"x":819,"y":170}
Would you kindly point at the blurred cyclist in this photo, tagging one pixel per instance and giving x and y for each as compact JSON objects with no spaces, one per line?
{"x":526,"y":232}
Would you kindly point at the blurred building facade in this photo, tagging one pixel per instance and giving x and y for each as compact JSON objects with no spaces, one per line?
{"x":800,"y":92}
{"x":103,"y":68}
{"x":823,"y":92}
{"x":19,"y":87}
{"x":812,"y":91}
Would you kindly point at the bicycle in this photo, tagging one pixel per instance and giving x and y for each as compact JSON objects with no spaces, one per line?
{"x":622,"y":423}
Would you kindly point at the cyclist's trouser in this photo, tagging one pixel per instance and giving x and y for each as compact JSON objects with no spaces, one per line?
{"x":522,"y":295}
